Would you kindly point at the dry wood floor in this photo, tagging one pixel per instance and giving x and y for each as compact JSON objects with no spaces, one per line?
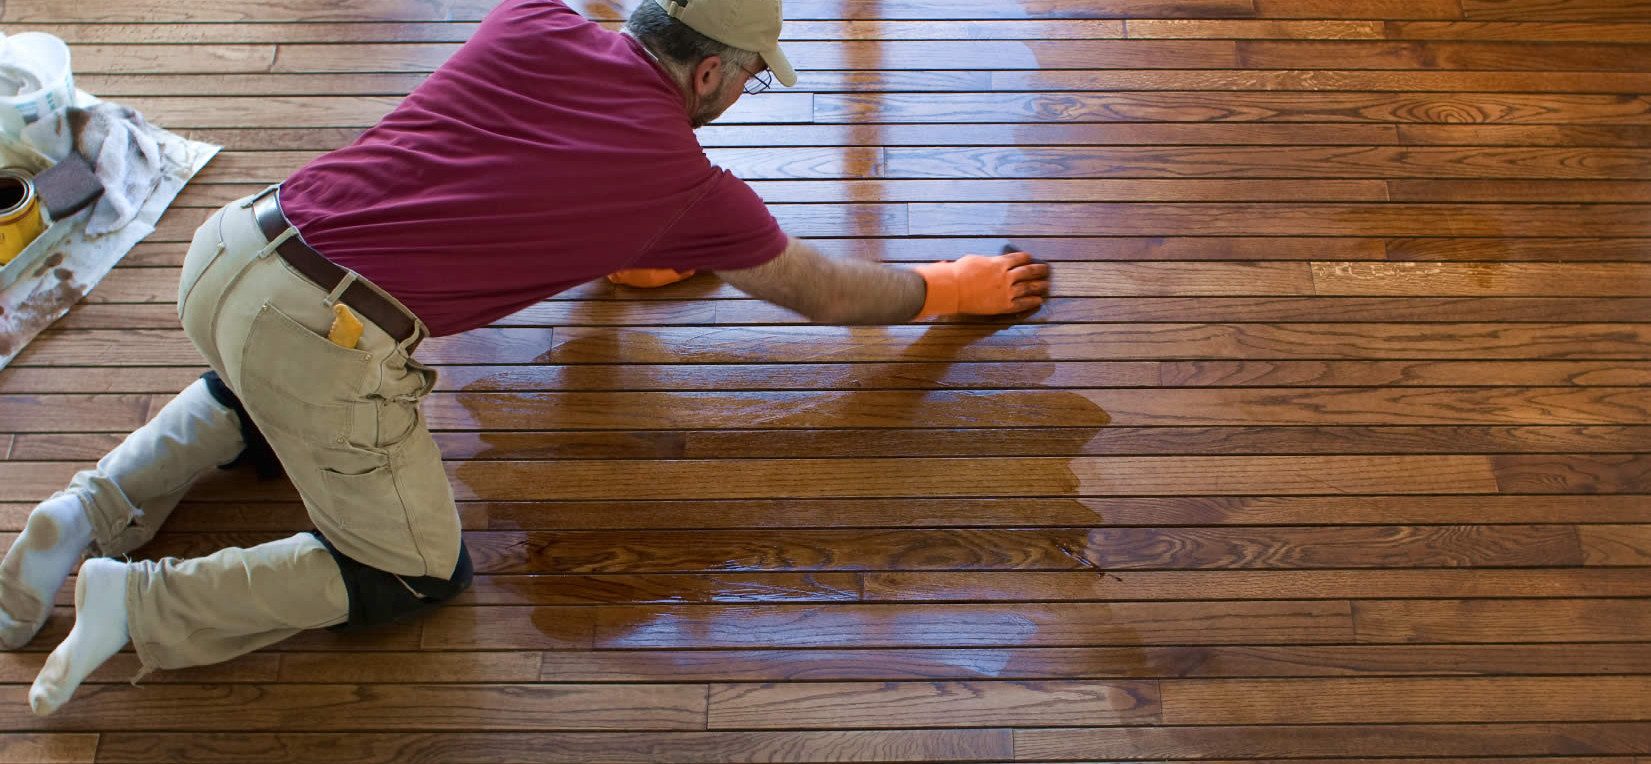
{"x":1336,"y":443}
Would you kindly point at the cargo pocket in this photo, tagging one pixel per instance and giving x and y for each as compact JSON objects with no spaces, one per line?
{"x":297,"y":382}
{"x":368,"y":509}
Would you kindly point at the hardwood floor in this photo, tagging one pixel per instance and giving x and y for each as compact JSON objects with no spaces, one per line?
{"x":1335,"y":444}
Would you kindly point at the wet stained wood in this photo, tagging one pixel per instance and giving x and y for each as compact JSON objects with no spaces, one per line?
{"x":928,"y":704}
{"x":1058,"y":549}
{"x":1404,"y":700}
{"x":1338,"y":740}
{"x":941,"y":344}
{"x":387,"y":707}
{"x":1575,"y":620}
{"x":1330,"y":447}
{"x":1046,"y":663}
{"x":856,"y":625}
{"x":928,"y":745}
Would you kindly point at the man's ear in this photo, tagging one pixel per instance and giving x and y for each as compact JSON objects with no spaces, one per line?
{"x":707,"y":76}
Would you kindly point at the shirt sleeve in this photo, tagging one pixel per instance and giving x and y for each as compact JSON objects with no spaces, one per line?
{"x":728,"y":227}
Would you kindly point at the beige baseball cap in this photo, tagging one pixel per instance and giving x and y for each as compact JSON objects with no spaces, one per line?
{"x":752,"y":25}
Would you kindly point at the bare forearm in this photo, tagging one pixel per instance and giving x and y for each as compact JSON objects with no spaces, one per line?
{"x":833,"y":290}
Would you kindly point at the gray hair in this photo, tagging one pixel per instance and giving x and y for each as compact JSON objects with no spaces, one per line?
{"x":677,"y":44}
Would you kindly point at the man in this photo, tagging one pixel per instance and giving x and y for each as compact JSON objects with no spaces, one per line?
{"x":546,"y":153}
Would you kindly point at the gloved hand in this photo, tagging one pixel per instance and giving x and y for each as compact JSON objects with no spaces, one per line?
{"x":985,"y":286}
{"x":647,"y":278}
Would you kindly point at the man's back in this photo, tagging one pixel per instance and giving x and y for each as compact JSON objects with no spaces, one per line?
{"x":546,"y":152}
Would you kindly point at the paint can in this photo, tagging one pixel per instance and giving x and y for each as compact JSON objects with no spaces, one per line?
{"x":20,"y":218}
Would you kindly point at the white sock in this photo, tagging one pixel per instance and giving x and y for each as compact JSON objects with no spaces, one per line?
{"x":100,"y":631}
{"x":35,"y":567}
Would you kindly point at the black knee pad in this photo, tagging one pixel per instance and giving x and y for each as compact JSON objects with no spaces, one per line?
{"x":257,"y":451}
{"x":378,"y":596}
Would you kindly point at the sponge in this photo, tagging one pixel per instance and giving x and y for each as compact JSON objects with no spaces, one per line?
{"x":68,"y":186}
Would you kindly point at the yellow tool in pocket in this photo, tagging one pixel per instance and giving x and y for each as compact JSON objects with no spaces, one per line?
{"x":346,"y":328}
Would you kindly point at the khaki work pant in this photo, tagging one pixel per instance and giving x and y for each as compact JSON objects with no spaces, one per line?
{"x":345,"y":424}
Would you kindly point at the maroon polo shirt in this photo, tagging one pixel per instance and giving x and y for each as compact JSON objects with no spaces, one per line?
{"x":546,"y":152}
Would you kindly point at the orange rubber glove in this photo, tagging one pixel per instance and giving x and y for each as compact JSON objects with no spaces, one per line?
{"x":648,"y":278}
{"x":984,"y":286}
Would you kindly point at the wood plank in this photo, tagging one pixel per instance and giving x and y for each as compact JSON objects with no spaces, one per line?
{"x":919,"y":664}
{"x":1435,"y":248}
{"x":1254,"y":162}
{"x":1512,"y":739}
{"x":805,"y":55}
{"x":1358,"y":9}
{"x":1110,"y":164}
{"x":1252,"y":29}
{"x":1356,"y":278}
{"x":1324,"y":80}
{"x":284,"y":137}
{"x":931,"y":704}
{"x":1557,"y":10}
{"x":1524,"y":191}
{"x":288,"y":516}
{"x":1342,"y":701}
{"x":1468,"y":621}
{"x":578,"y":345}
{"x":1500,"y":108}
{"x":337,"y":707}
{"x":844,"y":625}
{"x":1136,"y":87}
{"x":1061,"y":586}
{"x":1102,"y":549}
{"x":1109,"y":441}
{"x":1387,"y":583}
{"x":1568,"y":31}
{"x":1616,"y":544}
{"x":758,"y":478}
{"x":930,"y":745}
{"x":1543,"y":56}
{"x":1220,"y":510}
{"x":1281,"y":341}
{"x":48,"y":748}
{"x":1237,"y":219}
{"x":1523,"y":135}
{"x":1167,"y":374}
{"x":1626,"y":473}
{"x":896,"y":409}
{"x":385,"y":668}
{"x":935,"y":54}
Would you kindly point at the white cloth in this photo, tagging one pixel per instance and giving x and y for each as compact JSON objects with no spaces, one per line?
{"x":122,"y":148}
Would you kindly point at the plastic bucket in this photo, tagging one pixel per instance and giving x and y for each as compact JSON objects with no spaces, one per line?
{"x":47,"y":56}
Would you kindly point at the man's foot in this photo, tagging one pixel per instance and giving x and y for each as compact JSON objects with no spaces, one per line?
{"x":100,"y":631}
{"x":35,"y":567}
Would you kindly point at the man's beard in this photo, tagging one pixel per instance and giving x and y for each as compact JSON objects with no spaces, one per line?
{"x":705,"y":117}
{"x":705,"y":113}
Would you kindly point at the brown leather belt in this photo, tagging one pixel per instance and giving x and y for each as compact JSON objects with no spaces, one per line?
{"x":358,"y":295}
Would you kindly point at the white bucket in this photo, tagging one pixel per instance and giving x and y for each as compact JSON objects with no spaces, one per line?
{"x":46,"y":57}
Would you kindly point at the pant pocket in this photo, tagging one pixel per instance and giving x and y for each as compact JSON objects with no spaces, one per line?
{"x":368,"y":507}
{"x":300,"y":384}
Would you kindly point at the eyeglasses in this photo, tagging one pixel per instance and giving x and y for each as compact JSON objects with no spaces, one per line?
{"x":758,"y":82}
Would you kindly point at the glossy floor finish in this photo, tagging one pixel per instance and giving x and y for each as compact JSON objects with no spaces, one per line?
{"x":1335,"y":443}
